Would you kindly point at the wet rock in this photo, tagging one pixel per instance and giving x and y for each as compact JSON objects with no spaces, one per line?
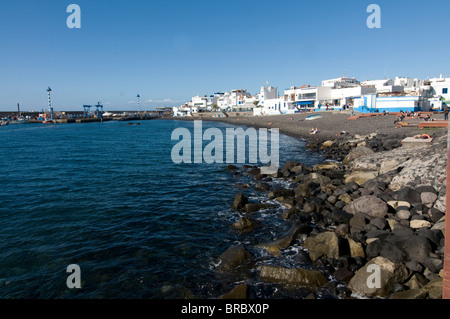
{"x":254,"y":207}
{"x":297,"y":169}
{"x":343,"y":274}
{"x":277,"y":192}
{"x":234,"y":258}
{"x":232,"y":168}
{"x":390,"y":273}
{"x":259,"y":177}
{"x":295,"y":276}
{"x":262,"y":187}
{"x":238,"y":292}
{"x":302,"y":257}
{"x":245,"y":224}
{"x":288,"y":202}
{"x":254,"y":171}
{"x":289,"y":213}
{"x":240,"y":200}
{"x":242,"y":186}
{"x":285,"y":240}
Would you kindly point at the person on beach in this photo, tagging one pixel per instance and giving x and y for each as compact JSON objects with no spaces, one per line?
{"x":446,"y":114}
{"x":314,"y":131}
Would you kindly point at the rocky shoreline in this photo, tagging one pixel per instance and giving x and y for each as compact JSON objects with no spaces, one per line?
{"x":375,"y":205}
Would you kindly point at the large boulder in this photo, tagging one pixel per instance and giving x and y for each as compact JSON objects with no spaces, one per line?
{"x":356,"y":153}
{"x":409,"y":195}
{"x":378,"y":277}
{"x":233,"y":259}
{"x":285,"y":240}
{"x":277,"y":192}
{"x":293,"y":276}
{"x":254,"y":207}
{"x":360,"y":177}
{"x":369,"y":206}
{"x":326,"y":243}
{"x":400,"y":248}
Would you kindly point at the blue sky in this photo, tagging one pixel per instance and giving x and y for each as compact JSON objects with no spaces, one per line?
{"x":168,"y":51}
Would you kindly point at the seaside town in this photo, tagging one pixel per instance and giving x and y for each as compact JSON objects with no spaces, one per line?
{"x":390,"y":95}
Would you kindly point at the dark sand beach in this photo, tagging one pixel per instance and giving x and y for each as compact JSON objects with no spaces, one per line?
{"x":331,"y":123}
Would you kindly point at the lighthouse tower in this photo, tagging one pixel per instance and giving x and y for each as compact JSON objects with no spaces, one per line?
{"x":50,"y":108}
{"x":139,"y":103}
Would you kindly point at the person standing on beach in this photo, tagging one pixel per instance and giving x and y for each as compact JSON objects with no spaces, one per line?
{"x":446,"y":114}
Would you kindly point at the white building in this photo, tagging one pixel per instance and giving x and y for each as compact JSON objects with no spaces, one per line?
{"x":198,"y":103}
{"x":213,"y":100}
{"x":345,"y":96}
{"x":310,"y":96}
{"x":383,"y":86}
{"x":440,"y":88}
{"x":238,"y":97}
{"x":342,"y":82}
{"x":373,"y":103}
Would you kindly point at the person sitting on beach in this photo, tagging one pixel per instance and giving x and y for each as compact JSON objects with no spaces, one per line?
{"x":314,"y":131}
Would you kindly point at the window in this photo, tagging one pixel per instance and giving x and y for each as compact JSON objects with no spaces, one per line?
{"x":445,"y":91}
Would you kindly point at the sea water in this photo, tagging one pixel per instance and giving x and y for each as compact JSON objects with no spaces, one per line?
{"x":108,"y":198}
